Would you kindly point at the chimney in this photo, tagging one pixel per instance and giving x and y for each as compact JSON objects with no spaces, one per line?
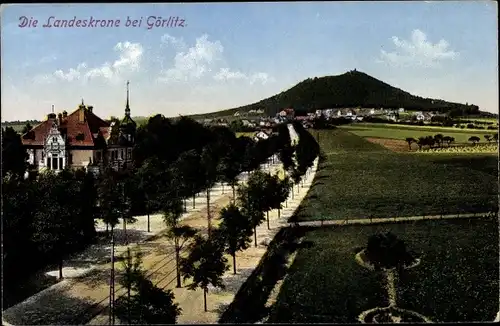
{"x":90,"y":107}
{"x":65,"y":114}
{"x":81,"y":114}
{"x":60,"y":118}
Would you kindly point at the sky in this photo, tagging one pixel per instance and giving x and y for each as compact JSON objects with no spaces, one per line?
{"x":188,"y":58}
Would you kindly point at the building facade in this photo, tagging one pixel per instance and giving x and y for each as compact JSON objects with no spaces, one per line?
{"x":81,"y":140}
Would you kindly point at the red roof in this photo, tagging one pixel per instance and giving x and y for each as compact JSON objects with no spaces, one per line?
{"x":71,"y":127}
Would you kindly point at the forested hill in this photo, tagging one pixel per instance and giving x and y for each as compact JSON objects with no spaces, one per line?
{"x":351,"y":89}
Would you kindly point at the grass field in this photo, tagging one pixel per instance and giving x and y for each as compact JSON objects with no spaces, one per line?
{"x":402,"y":132}
{"x":359,"y":179}
{"x":457,"y":280}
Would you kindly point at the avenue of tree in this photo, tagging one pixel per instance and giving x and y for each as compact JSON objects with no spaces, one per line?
{"x":49,"y":217}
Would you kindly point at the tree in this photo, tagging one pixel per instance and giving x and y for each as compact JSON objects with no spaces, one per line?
{"x":86,"y":206}
{"x":54,"y":219}
{"x":131,"y":274}
{"x":230,"y":167}
{"x":179,"y":234}
{"x":14,"y":155}
{"x":147,"y":177}
{"x":189,"y":168}
{"x":27,"y":128}
{"x":448,"y":140}
{"x":149,"y":304}
{"x":205,"y":265}
{"x":438,"y":138}
{"x":281,"y":194}
{"x":253,"y":201}
{"x":410,"y":141}
{"x":474,"y":139}
{"x":236,"y":230}
{"x":295,"y":177}
{"x":20,"y":252}
{"x":110,"y":198}
{"x":421,"y":142}
{"x":209,"y":161}
{"x":272,"y":188}
{"x":385,"y":250}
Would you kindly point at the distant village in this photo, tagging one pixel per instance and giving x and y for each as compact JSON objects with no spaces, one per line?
{"x":255,"y":119}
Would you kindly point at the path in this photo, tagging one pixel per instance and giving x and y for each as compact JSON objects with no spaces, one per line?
{"x":191,"y":302}
{"x":388,"y":219}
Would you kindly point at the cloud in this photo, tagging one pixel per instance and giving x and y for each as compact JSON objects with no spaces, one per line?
{"x":261,"y":77}
{"x":418,"y":51}
{"x":129,"y":60}
{"x":175,"y":42}
{"x":72,"y":74}
{"x":225,"y":74}
{"x":195,"y":62}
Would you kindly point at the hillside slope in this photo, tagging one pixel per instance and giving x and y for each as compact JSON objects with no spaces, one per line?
{"x":351,"y":89}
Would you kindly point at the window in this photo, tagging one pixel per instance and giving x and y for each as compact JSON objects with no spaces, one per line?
{"x":130,"y":153}
{"x":70,"y":161}
{"x":54,"y":163}
{"x":122,"y":154}
{"x":48,"y":163}
{"x":61,"y":163}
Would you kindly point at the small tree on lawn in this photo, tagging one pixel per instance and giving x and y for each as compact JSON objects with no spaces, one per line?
{"x":235,"y":230}
{"x":474,"y":140}
{"x":205,"y":265}
{"x":179,"y":234}
{"x":386,"y":250}
{"x":252,"y":199}
{"x":131,"y":273}
{"x":149,"y":304}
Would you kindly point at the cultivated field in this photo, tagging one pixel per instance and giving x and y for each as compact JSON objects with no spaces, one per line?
{"x":456,"y":280}
{"x":401,"y":132}
{"x":248,"y":134}
{"x":359,"y":179}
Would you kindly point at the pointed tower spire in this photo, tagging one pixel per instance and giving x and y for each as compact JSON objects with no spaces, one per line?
{"x":82,"y":101}
{"x":127,"y":107}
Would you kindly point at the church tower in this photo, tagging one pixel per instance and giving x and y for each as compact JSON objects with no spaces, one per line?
{"x":127,"y":125}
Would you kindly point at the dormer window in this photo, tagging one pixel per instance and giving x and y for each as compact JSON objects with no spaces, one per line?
{"x":80,"y":137}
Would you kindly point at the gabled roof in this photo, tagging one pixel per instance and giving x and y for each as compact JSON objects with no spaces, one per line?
{"x":70,"y":127}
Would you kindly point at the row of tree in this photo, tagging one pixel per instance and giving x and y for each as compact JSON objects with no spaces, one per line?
{"x":205,"y":263}
{"x":440,"y":140}
{"x":52,"y":216}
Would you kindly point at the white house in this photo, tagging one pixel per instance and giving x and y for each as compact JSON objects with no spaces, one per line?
{"x":261,"y":135}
